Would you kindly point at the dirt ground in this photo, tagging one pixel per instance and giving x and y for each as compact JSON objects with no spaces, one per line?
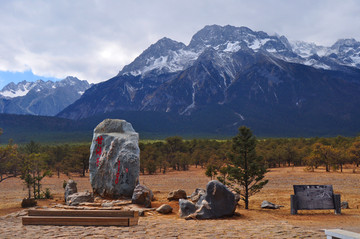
{"x":277,"y":191}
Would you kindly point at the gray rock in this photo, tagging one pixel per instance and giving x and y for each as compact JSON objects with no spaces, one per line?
{"x":164,"y":209}
{"x":70,"y":188}
{"x":142,"y":196}
{"x":107,"y":204}
{"x":77,"y":198}
{"x":176,"y":195}
{"x":195,"y":196}
{"x":186,"y":208}
{"x":218,"y":202}
{"x":114,"y":159}
{"x":344,"y":205}
{"x":268,"y":205}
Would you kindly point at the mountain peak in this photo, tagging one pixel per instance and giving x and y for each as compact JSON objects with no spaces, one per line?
{"x":348,"y":42}
{"x":214,"y":35}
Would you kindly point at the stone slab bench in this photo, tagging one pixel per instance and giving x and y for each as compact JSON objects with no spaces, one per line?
{"x":340,"y":234}
{"x":315,"y":197}
{"x":81,"y":217}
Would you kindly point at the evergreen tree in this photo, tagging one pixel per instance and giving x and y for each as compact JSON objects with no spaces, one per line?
{"x":245,"y":170}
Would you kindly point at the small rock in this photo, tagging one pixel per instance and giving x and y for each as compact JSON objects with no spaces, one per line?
{"x":164,"y":209}
{"x":345,"y":205}
{"x":237,"y":197}
{"x":142,"y":196}
{"x":70,"y":188}
{"x":268,"y":205}
{"x":176,"y":195}
{"x":141,"y":213}
{"x":98,"y":199}
{"x":77,"y":198}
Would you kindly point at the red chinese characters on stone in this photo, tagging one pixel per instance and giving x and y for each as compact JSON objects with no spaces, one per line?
{"x":98,"y":149}
{"x":118,"y":173}
{"x":99,"y":139}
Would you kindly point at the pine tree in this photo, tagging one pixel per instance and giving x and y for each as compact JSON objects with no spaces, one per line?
{"x":245,"y":170}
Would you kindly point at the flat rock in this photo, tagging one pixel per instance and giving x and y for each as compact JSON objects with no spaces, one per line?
{"x":164,"y":209}
{"x":268,"y":205}
{"x":114,"y":159}
{"x":76,"y":198}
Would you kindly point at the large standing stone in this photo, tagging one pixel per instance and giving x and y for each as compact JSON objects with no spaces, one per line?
{"x":114,"y":159}
{"x":217,"y":202}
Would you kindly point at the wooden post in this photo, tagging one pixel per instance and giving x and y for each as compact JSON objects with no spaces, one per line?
{"x":337,"y":203}
{"x":294,"y":206}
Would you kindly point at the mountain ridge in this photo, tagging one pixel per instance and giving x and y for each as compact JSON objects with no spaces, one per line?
{"x":41,"y":97}
{"x":251,"y":73}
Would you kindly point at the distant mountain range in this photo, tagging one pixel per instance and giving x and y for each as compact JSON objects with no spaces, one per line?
{"x":40,"y":97}
{"x":231,"y":76}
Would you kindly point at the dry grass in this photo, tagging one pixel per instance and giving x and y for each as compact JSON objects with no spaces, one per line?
{"x":278,"y":191}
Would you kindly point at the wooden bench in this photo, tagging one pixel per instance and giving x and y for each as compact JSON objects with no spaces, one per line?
{"x":341,"y":234}
{"x":315,"y":197}
{"x":81,"y":217}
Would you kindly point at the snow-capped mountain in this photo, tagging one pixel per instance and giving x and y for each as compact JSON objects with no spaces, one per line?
{"x":41,"y":97}
{"x":256,"y":78}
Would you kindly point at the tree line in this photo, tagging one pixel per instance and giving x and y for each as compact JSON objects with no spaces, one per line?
{"x":34,"y":161}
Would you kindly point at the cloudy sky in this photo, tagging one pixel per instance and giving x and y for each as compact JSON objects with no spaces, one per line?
{"x":94,"y":39}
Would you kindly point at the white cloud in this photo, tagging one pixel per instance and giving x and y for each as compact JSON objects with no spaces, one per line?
{"x":93,"y":40}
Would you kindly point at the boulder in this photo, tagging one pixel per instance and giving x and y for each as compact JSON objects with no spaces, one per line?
{"x":164,"y":209}
{"x":268,"y":205}
{"x":70,"y":188}
{"x":195,"y":196}
{"x":186,"y":208}
{"x":218,"y":202}
{"x":77,"y":198}
{"x":114,"y":162}
{"x":176,"y":195}
{"x":142,"y":196}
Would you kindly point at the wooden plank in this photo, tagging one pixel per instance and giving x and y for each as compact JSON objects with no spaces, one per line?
{"x":75,"y":221}
{"x":338,"y":233}
{"x":81,"y":213}
{"x":134,"y":220}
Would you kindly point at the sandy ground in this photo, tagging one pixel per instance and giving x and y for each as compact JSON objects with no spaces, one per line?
{"x":252,"y":223}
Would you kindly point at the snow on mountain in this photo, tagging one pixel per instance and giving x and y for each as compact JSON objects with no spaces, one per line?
{"x":13,"y":90}
{"x":41,"y":97}
{"x":168,"y":56}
